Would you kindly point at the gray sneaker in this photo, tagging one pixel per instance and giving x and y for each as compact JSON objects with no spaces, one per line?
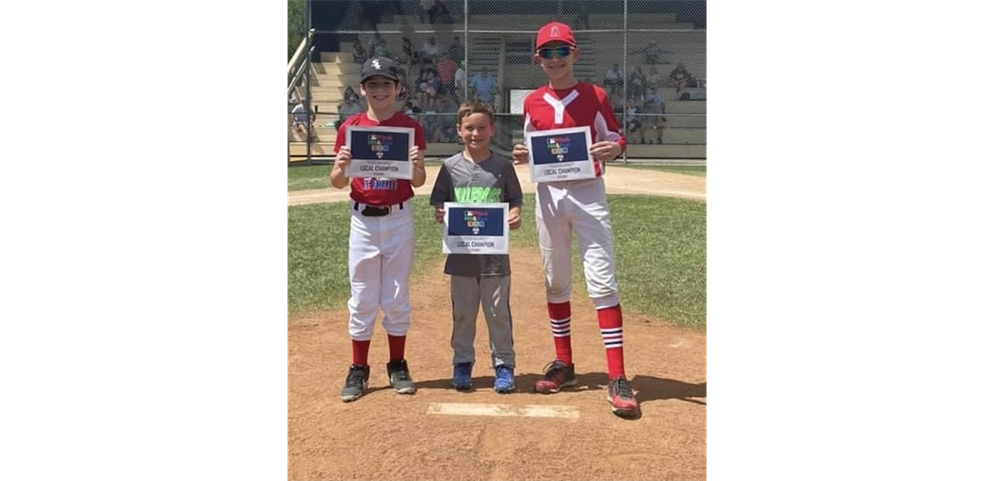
{"x":400,"y":378}
{"x":356,"y":383}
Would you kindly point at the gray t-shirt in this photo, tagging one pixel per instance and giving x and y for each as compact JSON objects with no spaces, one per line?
{"x":462,"y":180}
{"x":300,"y":114}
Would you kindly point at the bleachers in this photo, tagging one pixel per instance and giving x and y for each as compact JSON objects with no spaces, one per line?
{"x":602,"y":21}
{"x":666,"y":151}
{"x":597,"y":19}
{"x":509,"y":55}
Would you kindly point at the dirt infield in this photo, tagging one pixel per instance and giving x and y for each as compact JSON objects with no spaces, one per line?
{"x":389,"y":436}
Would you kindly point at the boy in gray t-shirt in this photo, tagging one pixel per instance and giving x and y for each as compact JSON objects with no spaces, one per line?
{"x":476,"y":175}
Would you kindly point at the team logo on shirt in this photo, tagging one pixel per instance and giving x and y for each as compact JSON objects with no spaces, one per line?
{"x":475,"y":220}
{"x":474,"y":195}
{"x":376,"y":183}
{"x":558,"y":146}
{"x":380,"y":143}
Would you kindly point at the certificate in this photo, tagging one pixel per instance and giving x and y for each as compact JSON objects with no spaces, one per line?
{"x":379,"y":151}
{"x":560,"y":154}
{"x":475,"y":228}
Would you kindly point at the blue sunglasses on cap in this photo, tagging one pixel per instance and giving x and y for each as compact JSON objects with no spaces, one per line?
{"x":548,"y":53}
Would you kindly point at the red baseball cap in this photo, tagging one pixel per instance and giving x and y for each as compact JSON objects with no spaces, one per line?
{"x":555,"y":32}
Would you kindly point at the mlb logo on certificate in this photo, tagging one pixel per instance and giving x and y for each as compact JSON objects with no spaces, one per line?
{"x":470,"y":228}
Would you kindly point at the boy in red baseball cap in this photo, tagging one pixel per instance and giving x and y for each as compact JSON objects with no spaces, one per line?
{"x":580,"y":207}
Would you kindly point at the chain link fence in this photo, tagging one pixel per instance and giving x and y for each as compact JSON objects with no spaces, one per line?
{"x":649,"y":55}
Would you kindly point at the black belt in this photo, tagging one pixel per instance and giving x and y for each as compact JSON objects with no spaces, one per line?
{"x":375,"y":211}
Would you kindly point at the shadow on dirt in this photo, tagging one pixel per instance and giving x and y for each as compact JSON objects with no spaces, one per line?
{"x":652,"y":388}
{"x":648,"y":388}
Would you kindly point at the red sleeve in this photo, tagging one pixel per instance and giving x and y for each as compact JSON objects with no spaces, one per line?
{"x":613,"y":131}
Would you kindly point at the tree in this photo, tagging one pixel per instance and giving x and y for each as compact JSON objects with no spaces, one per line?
{"x":296,"y":25}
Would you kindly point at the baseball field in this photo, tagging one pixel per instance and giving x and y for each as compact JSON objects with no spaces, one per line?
{"x":658,"y":217}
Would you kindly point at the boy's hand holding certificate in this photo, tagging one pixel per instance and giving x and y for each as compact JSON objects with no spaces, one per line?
{"x":475,"y":228}
{"x":560,"y":154}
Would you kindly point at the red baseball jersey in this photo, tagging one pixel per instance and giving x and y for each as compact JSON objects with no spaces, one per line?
{"x":381,"y":191}
{"x":583,"y":105}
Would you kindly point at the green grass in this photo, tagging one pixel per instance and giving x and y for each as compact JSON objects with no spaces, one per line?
{"x":318,"y":253}
{"x":659,"y":250}
{"x":698,"y":170}
{"x":308,"y":177}
{"x":660,"y":256}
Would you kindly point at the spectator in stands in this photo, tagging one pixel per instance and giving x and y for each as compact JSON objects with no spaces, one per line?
{"x":653,"y":107}
{"x":411,"y":109}
{"x":652,"y":53}
{"x":430,"y":122}
{"x":652,"y":97}
{"x":351,"y":94}
{"x":459,"y":80}
{"x":291,"y":103}
{"x":654,"y":80}
{"x":426,"y":7}
{"x":429,"y":50}
{"x":618,"y":103}
{"x":633,"y":122}
{"x":446,"y":69}
{"x":456,"y":50}
{"x":659,"y":125}
{"x":637,"y":83}
{"x":378,"y":46}
{"x":448,"y":107}
{"x":427,"y":89}
{"x":404,"y":92}
{"x":350,"y":106}
{"x":407,"y":56}
{"x":614,"y":79}
{"x":439,"y":13}
{"x":302,"y":121}
{"x":358,"y":52}
{"x":484,"y":86}
{"x":680,"y":79}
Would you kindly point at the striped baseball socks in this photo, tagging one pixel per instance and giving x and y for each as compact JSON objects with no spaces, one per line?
{"x":559,"y":322}
{"x":610,"y":322}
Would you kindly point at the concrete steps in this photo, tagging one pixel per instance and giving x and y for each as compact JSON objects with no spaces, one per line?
{"x":686,"y":107}
{"x":686,"y":121}
{"x":336,"y":80}
{"x":681,"y":135}
{"x":342,"y":58}
{"x":332,"y":68}
{"x":318,"y":148}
